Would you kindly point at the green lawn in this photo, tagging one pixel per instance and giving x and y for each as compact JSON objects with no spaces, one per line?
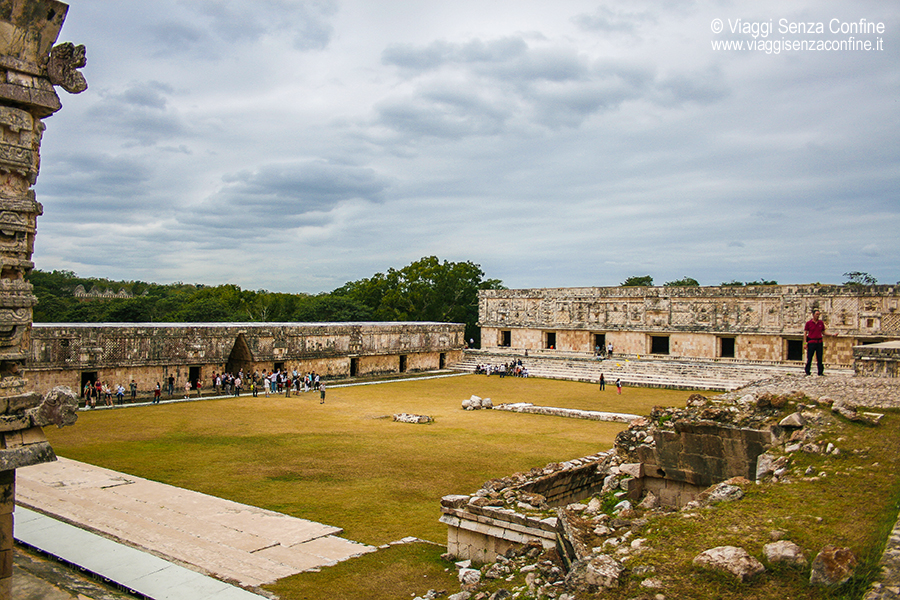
{"x":347,"y":464}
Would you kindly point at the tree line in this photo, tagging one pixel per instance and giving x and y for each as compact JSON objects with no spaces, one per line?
{"x":425,"y":290}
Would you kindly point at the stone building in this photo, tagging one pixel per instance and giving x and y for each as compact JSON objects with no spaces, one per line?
{"x":72,"y":354}
{"x":30,"y":66}
{"x":754,"y":323}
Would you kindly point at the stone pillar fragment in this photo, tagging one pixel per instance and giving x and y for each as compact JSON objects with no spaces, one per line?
{"x":30,"y":66}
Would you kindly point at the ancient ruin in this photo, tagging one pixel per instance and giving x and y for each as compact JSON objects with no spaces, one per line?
{"x":73,"y":354}
{"x":30,"y":65}
{"x":755,"y":323}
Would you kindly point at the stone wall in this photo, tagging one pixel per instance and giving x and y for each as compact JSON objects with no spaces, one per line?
{"x":62,"y":354}
{"x":758,"y":322}
{"x":703,"y":453}
{"x":877,"y":360}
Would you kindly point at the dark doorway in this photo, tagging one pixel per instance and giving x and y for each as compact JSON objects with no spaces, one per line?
{"x":194,"y":376}
{"x":279,"y":366}
{"x":727,"y":350}
{"x":442,"y":361}
{"x":550,"y":340}
{"x":403,"y":363}
{"x":794,"y":349}
{"x":85,"y":377}
{"x":241,"y":359}
{"x":506,"y":338}
{"x":354,"y":367}
{"x":599,"y":343}
{"x":659,"y":344}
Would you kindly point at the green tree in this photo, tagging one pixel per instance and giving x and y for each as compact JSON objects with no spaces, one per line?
{"x":425,"y":290}
{"x":638,"y":280}
{"x":331,"y":308}
{"x":859,"y":278}
{"x":763,"y":282}
{"x":683,"y":282}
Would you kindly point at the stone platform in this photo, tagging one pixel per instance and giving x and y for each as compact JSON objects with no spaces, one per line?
{"x":232,"y":542}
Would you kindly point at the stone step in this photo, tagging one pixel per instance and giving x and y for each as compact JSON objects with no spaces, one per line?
{"x":638,"y":370}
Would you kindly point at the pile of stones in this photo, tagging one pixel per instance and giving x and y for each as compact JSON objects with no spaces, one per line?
{"x":606,"y":530}
{"x":477,"y":403}
{"x":407,"y":418}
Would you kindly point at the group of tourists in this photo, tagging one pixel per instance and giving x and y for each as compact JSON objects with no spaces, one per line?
{"x":513,"y":369}
{"x":232,"y":384}
{"x":604,"y":352}
{"x":270,"y":382}
{"x":96,"y":391}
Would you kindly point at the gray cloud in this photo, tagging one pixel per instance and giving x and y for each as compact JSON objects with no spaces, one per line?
{"x":286,"y":195}
{"x":572,"y":144}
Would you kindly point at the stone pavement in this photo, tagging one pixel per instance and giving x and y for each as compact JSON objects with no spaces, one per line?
{"x":229,"y":541}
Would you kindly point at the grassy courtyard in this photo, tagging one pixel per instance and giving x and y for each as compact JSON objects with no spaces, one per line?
{"x":346,"y":463}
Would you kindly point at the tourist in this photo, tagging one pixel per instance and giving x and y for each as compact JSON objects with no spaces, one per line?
{"x":609,"y":350}
{"x":813,"y":337}
{"x":120,"y":394}
{"x":156,"y":393}
{"x":98,"y":390}
{"x":171,"y":385}
{"x":321,"y":391}
{"x":602,"y":382}
{"x":187,"y":388}
{"x":199,"y":387}
{"x":618,"y":385}
{"x":238,"y":383}
{"x":133,"y":387}
{"x":88,"y":393}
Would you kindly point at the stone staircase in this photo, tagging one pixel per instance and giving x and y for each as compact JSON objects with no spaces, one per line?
{"x":641,"y":371}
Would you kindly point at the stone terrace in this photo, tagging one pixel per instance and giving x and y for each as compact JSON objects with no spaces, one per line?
{"x":640,"y":371}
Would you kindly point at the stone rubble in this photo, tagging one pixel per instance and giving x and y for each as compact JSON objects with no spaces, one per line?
{"x":605,"y":529}
{"x":832,"y":566}
{"x":407,"y":418}
{"x":730,"y":559}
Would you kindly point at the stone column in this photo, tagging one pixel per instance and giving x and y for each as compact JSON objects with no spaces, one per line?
{"x":29,"y":68}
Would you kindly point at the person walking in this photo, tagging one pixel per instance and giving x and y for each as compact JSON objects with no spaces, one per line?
{"x":618,"y":385}
{"x":602,"y":382}
{"x":322,"y":392}
{"x":157,"y":391}
{"x":813,"y":337}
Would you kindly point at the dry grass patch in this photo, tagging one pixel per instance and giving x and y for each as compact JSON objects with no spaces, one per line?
{"x":343,"y":463}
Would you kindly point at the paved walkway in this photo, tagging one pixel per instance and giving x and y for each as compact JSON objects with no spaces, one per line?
{"x":229,"y":541}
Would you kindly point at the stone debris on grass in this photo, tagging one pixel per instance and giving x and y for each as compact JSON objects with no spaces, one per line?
{"x":730,"y":559}
{"x":408,"y":418}
{"x":832,"y":566}
{"x":784,"y":552}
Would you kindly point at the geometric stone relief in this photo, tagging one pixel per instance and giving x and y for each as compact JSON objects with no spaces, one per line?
{"x":890,"y":323}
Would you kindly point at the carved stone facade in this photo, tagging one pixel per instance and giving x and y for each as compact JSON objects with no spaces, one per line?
{"x":29,"y":68}
{"x":71,"y":354}
{"x":757,"y":323}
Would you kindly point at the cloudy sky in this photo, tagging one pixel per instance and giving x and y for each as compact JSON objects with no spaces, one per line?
{"x":295,"y":145}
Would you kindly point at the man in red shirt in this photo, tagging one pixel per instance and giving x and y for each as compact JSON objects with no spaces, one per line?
{"x":813,"y":334}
